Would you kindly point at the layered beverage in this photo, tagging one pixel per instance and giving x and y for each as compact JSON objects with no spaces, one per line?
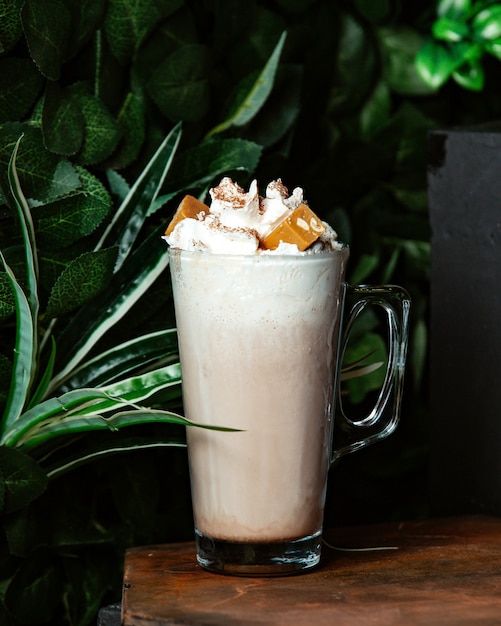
{"x":258,"y":285}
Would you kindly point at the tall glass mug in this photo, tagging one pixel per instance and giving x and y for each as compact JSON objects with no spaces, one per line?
{"x":260,"y":350}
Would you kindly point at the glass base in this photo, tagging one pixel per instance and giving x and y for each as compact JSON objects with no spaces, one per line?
{"x":258,"y":559}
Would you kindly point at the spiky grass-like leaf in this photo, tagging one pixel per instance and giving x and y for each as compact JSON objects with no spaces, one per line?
{"x":158,"y":348}
{"x":93,"y":320}
{"x":23,"y":358}
{"x":130,"y":216}
{"x":251,"y":98}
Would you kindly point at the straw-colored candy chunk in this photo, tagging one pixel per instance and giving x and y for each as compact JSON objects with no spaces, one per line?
{"x":301,"y":227}
{"x":189,"y":207}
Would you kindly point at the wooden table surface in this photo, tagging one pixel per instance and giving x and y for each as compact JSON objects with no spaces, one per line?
{"x":443,"y":572}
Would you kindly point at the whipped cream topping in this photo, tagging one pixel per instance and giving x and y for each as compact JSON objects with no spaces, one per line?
{"x":210,"y":235}
{"x":237,"y":209}
{"x":238,"y":221}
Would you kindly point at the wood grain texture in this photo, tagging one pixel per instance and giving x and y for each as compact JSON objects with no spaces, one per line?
{"x":444,"y":572}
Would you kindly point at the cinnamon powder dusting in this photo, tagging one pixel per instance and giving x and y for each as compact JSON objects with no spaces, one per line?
{"x":280,"y":187}
{"x":232,"y":194}
{"x":216,"y":225}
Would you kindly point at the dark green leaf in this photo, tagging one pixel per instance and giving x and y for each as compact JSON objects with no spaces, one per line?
{"x":54,"y":413}
{"x":2,"y":491}
{"x":27,"y":232}
{"x":454,"y":9}
{"x":435,"y":63}
{"x":23,"y":479}
{"x":252,"y":93}
{"x":92,"y":321}
{"x":26,"y":343}
{"x":252,"y":37}
{"x":159,"y":348}
{"x":296,"y":5}
{"x":366,"y":264}
{"x":65,"y":181}
{"x":24,"y":533}
{"x":487,"y":24}
{"x":102,"y":132}
{"x":356,"y":49}
{"x":470,"y":76}
{"x":119,"y":187}
{"x":374,"y":10}
{"x":5,"y":376}
{"x":281,"y":110}
{"x":411,"y":124}
{"x":136,"y":493}
{"x":24,"y":354}
{"x":375,"y":113}
{"x":46,"y":28}
{"x":87,"y":410}
{"x":63,"y":222}
{"x":233,"y":24}
{"x":417,"y":257}
{"x":450,"y":30}
{"x":10,"y":24}
{"x":494,"y":48}
{"x":198,"y":166}
{"x":90,"y":577}
{"x":19,"y":88}
{"x":466,"y":52}
{"x":119,"y":30}
{"x":412,"y":199}
{"x":7,"y":299}
{"x":128,"y":22}
{"x":62,"y":121}
{"x":180,"y":86}
{"x":177,"y":30}
{"x":73,"y":525}
{"x":359,"y":387}
{"x":120,"y":445}
{"x":46,"y":377}
{"x":32,"y":594}
{"x":53,"y":261}
{"x":132,"y":212}
{"x":122,"y":419}
{"x":86,"y":19}
{"x":81,"y":280}
{"x":43,"y":175}
{"x":399,"y":47}
{"x":131,"y":122}
{"x":111,"y":79}
{"x":389,"y":269}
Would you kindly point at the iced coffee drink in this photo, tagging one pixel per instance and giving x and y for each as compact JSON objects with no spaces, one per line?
{"x":258,"y":286}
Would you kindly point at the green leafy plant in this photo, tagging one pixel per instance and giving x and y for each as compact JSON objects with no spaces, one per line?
{"x":338,"y":106}
{"x":462,"y":34}
{"x":86,"y":395}
{"x":74,"y":272}
{"x":31,"y":415}
{"x":105,"y":391}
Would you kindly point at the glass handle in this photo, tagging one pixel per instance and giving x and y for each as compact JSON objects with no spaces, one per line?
{"x":350,"y":435}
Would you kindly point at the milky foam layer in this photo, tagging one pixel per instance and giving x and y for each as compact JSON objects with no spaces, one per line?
{"x":258,"y":346}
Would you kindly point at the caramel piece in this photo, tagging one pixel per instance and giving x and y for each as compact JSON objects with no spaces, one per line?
{"x":189,"y":207}
{"x":301,"y":227}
